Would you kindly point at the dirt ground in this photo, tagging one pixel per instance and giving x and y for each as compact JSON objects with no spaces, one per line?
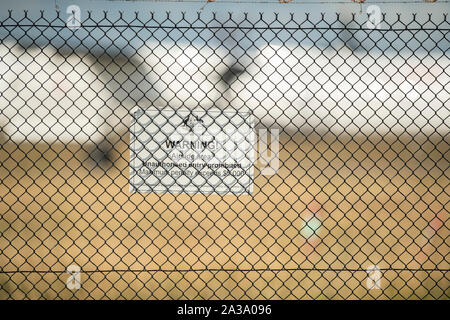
{"x":335,"y":207}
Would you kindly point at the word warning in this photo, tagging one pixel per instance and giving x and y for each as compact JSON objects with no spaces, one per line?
{"x":192,"y":151}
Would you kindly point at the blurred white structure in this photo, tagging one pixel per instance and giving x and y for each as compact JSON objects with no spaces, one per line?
{"x":81,"y":97}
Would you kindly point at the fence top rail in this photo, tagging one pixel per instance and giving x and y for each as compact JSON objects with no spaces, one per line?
{"x":228,"y":20}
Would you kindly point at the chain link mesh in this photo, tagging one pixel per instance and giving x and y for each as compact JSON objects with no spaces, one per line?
{"x":362,"y":190}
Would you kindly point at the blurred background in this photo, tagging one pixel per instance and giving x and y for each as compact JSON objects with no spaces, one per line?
{"x":362,"y":188}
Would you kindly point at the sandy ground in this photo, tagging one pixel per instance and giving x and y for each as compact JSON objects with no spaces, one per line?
{"x":335,"y":207}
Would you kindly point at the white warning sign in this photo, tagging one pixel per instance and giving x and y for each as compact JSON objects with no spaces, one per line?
{"x":192,"y":151}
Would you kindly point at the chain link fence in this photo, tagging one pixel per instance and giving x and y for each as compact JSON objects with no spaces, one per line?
{"x":356,"y":206}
